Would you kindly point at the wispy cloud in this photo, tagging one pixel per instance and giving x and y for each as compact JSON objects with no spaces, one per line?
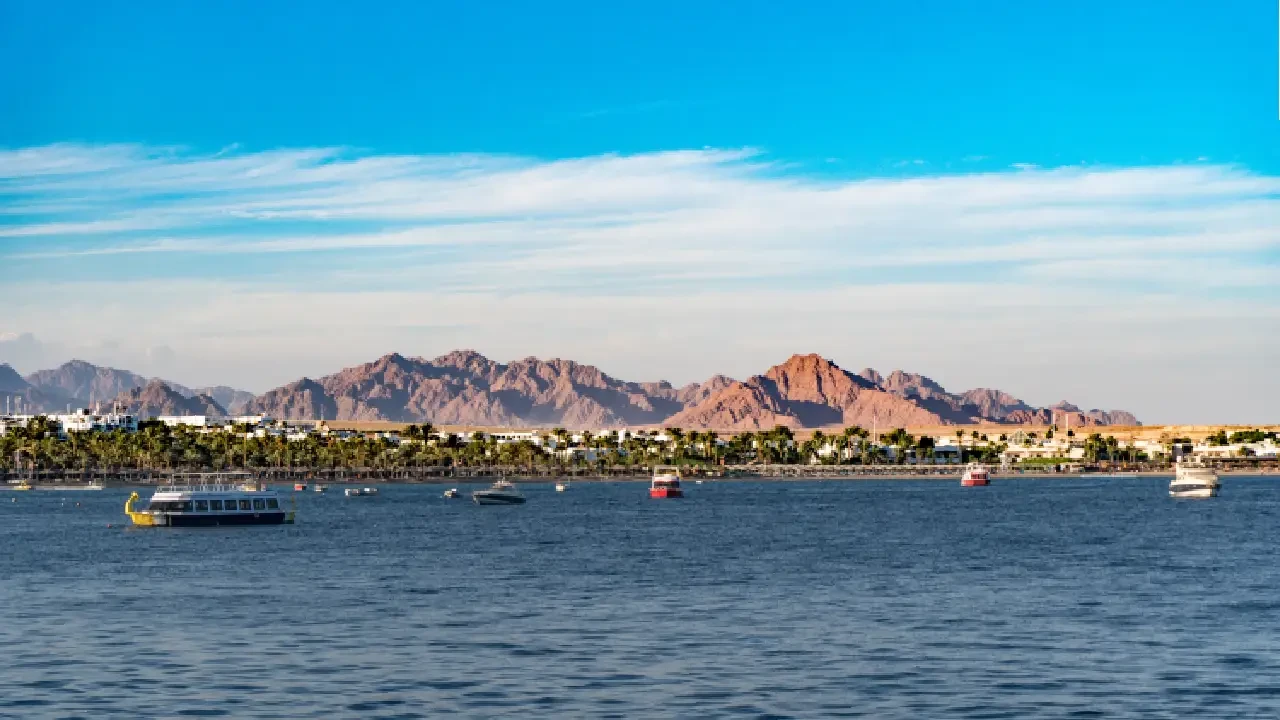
{"x":681,"y":245}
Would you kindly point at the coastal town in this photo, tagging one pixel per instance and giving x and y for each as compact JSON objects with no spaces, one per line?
{"x":68,"y":445}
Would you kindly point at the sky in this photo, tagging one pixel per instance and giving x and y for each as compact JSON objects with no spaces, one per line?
{"x":1072,"y":201}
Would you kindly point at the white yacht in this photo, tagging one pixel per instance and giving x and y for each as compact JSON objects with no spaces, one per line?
{"x":1193,"y":480}
{"x":562,"y":486}
{"x":212,"y":499}
{"x":501,"y":492}
{"x":451,"y":493}
{"x":360,"y":492}
{"x":95,"y":485}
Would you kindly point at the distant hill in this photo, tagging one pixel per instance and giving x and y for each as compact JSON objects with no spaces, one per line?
{"x":82,"y":384}
{"x":466,"y":388}
{"x":155,"y":399}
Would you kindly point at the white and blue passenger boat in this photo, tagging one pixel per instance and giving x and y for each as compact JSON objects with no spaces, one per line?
{"x":210,"y":499}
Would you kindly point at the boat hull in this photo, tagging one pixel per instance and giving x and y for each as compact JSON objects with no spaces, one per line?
{"x":974,"y":482}
{"x":211,"y":520}
{"x":484,"y":499}
{"x":665,"y":493}
{"x":1194,"y":493}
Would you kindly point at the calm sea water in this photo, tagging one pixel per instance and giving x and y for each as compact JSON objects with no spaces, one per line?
{"x":878,"y":599}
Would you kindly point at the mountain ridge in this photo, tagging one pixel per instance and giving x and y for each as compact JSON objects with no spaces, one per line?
{"x":463,"y":387}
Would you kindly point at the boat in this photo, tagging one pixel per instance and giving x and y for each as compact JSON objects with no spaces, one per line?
{"x":96,"y":485}
{"x":320,"y":488}
{"x":452,"y":493}
{"x":975,"y":475}
{"x":562,"y":486}
{"x":501,"y":492}
{"x":300,"y":487}
{"x":213,"y":499}
{"x":360,"y":492}
{"x":1193,"y":480}
{"x":665,"y":484}
{"x":24,"y":485}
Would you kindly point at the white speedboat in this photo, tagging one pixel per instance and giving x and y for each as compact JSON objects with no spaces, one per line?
{"x":452,"y":493}
{"x":562,"y":486}
{"x":320,"y":488}
{"x":1193,"y":480}
{"x":360,"y":492}
{"x":500,"y":493}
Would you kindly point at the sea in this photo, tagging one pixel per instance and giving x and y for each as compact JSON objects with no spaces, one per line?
{"x":1070,"y":597}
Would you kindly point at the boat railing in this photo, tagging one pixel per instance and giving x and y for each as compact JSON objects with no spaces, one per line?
{"x":209,"y":487}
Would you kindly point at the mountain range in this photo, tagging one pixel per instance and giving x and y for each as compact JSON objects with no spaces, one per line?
{"x":78,"y":384}
{"x":466,"y":388}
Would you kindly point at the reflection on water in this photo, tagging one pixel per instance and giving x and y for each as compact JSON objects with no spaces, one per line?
{"x":880,"y":599}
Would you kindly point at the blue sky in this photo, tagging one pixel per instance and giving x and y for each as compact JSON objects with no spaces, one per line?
{"x":188,"y":188}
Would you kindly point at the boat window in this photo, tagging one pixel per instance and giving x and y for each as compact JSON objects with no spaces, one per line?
{"x":258,"y":504}
{"x":215,"y":505}
{"x":183,"y":506}
{"x":244,"y":505}
{"x":202,"y":506}
{"x":230,"y":506}
{"x":273,"y":504}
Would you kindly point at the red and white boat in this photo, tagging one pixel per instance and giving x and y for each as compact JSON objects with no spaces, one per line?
{"x":665,"y":485}
{"x":975,"y":475}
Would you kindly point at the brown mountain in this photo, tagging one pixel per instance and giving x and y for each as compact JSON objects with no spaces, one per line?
{"x":805,"y":391}
{"x":155,"y":398}
{"x":810,"y":391}
{"x":466,"y":388}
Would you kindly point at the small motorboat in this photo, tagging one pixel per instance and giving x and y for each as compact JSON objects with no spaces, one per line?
{"x":452,"y":493}
{"x":975,"y":475}
{"x":300,"y":487}
{"x":1194,"y":480}
{"x":665,"y":484}
{"x":360,"y":492}
{"x":562,"y":486}
{"x":24,"y":485}
{"x":501,"y":492}
{"x":320,"y":488}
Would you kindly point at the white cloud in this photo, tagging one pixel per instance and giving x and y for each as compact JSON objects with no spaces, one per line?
{"x":733,"y":258}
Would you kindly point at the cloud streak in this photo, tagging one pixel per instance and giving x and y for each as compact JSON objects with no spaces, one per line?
{"x":679,"y":245}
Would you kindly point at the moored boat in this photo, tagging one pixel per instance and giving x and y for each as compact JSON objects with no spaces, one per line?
{"x":24,"y":485}
{"x":300,"y":487}
{"x":975,"y":475}
{"x":665,"y":484}
{"x":1193,"y":480}
{"x":562,"y":486}
{"x":216,"y":499}
{"x":452,"y":493}
{"x":96,"y":485}
{"x":360,"y":492}
{"x":501,"y":492}
{"x":320,"y":488}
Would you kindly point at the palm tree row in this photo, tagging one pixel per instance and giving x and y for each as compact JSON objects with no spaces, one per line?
{"x":158,"y":446}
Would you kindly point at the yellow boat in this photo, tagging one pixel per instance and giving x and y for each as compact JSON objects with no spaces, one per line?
{"x":24,"y":485}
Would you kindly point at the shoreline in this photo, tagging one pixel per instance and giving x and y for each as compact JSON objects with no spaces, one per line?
{"x":639,"y":478}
